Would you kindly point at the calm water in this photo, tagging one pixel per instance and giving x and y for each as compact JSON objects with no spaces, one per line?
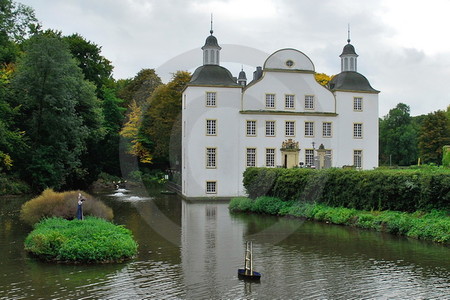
{"x":193,"y":250}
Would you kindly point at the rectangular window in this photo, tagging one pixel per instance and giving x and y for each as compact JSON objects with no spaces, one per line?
{"x":309,"y":157}
{"x":270,"y":157}
{"x":270,"y":128}
{"x":326,"y":129}
{"x":309,"y":129}
{"x":270,"y":100}
{"x":357,"y":130}
{"x":289,"y":101}
{"x":309,"y":102}
{"x":210,"y":127}
{"x":251,"y":128}
{"x":211,"y":158}
{"x":210,"y":98}
{"x":290,"y":128}
{"x":211,"y":187}
{"x":357,"y":104}
{"x":357,"y":158}
{"x":251,"y":157}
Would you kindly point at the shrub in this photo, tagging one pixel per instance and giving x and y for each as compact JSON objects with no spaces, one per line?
{"x":89,"y":240}
{"x":64,"y":205}
{"x":399,"y":190}
{"x":240,"y":204}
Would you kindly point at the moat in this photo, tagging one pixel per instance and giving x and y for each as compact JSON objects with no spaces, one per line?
{"x":193,"y":250}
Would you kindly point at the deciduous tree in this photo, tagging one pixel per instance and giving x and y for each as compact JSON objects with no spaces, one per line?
{"x":398,"y":137}
{"x":434,"y":134}
{"x":60,"y":112}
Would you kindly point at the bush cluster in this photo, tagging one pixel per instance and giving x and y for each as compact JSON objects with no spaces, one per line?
{"x":64,"y":205}
{"x":365,"y":190}
{"x":434,"y":225}
{"x":91,"y":240}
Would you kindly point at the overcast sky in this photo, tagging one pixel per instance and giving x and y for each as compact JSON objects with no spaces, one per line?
{"x":403,"y":45}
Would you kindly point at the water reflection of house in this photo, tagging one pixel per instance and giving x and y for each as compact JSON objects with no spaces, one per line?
{"x":282,"y":118}
{"x":210,"y":251}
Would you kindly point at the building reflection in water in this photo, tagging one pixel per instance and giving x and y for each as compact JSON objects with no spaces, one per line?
{"x":211,"y":248}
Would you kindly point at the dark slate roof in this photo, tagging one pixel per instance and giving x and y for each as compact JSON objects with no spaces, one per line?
{"x":351,"y":81}
{"x":242,"y":75}
{"x":348,"y":49}
{"x":211,"y":41}
{"x":212,"y":75}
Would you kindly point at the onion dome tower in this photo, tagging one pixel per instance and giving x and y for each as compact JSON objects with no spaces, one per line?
{"x":349,"y":79}
{"x":242,"y":79}
{"x":211,"y":50}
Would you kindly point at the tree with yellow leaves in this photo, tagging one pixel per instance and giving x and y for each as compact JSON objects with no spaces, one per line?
{"x":131,"y":131}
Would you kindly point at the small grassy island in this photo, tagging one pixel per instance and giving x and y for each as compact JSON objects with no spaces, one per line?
{"x":91,"y":240}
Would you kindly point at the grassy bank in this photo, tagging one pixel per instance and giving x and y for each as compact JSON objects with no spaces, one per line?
{"x":433,"y":225}
{"x":91,"y":240}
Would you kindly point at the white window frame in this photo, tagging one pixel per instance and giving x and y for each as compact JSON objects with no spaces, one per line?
{"x":211,"y":99}
{"x":309,"y":129}
{"x":211,"y":158}
{"x":327,"y":131}
{"x":289,"y":101}
{"x":211,"y":127}
{"x":270,"y":157}
{"x":270,"y":128}
{"x":309,"y":157}
{"x":270,"y":100}
{"x":211,"y":187}
{"x":291,"y":130}
{"x":309,"y":102}
{"x":357,"y":158}
{"x":250,"y":127}
{"x":250,"y":160}
{"x":357,"y":130}
{"x":358,"y":104}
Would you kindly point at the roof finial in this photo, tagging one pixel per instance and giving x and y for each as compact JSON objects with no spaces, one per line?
{"x":348,"y":34}
{"x":211,"y":31}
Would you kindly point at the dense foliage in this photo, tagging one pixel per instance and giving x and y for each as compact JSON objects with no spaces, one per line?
{"x":407,"y":190}
{"x":90,"y":240}
{"x":434,"y":225}
{"x":64,"y":205}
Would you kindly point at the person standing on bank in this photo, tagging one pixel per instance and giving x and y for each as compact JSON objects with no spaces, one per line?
{"x":80,"y":207}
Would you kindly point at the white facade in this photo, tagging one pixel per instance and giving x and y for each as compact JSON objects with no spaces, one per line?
{"x":228,"y":127}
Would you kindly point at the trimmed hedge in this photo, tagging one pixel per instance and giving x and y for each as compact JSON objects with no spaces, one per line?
{"x":91,"y":240}
{"x":396,"y":190}
{"x":433,"y":226}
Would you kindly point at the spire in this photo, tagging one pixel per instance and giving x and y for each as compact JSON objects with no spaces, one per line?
{"x":211,"y":49}
{"x":242,"y":79}
{"x":348,"y":33}
{"x":211,"y":31}
{"x":348,"y":56}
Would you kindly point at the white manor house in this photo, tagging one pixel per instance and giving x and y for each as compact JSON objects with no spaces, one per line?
{"x":282,"y":118}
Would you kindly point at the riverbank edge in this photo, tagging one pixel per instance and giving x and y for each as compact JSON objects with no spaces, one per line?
{"x":431,"y":226}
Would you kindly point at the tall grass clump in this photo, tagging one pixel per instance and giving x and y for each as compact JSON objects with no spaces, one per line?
{"x":64,"y":205}
{"x":91,"y":240}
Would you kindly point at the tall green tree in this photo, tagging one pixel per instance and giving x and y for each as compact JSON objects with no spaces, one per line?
{"x":434,"y":134}
{"x":161,"y":127}
{"x":95,"y":67}
{"x":17,"y":20}
{"x":60,"y":113}
{"x":140,"y":88}
{"x":398,"y":137}
{"x":11,"y":140}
